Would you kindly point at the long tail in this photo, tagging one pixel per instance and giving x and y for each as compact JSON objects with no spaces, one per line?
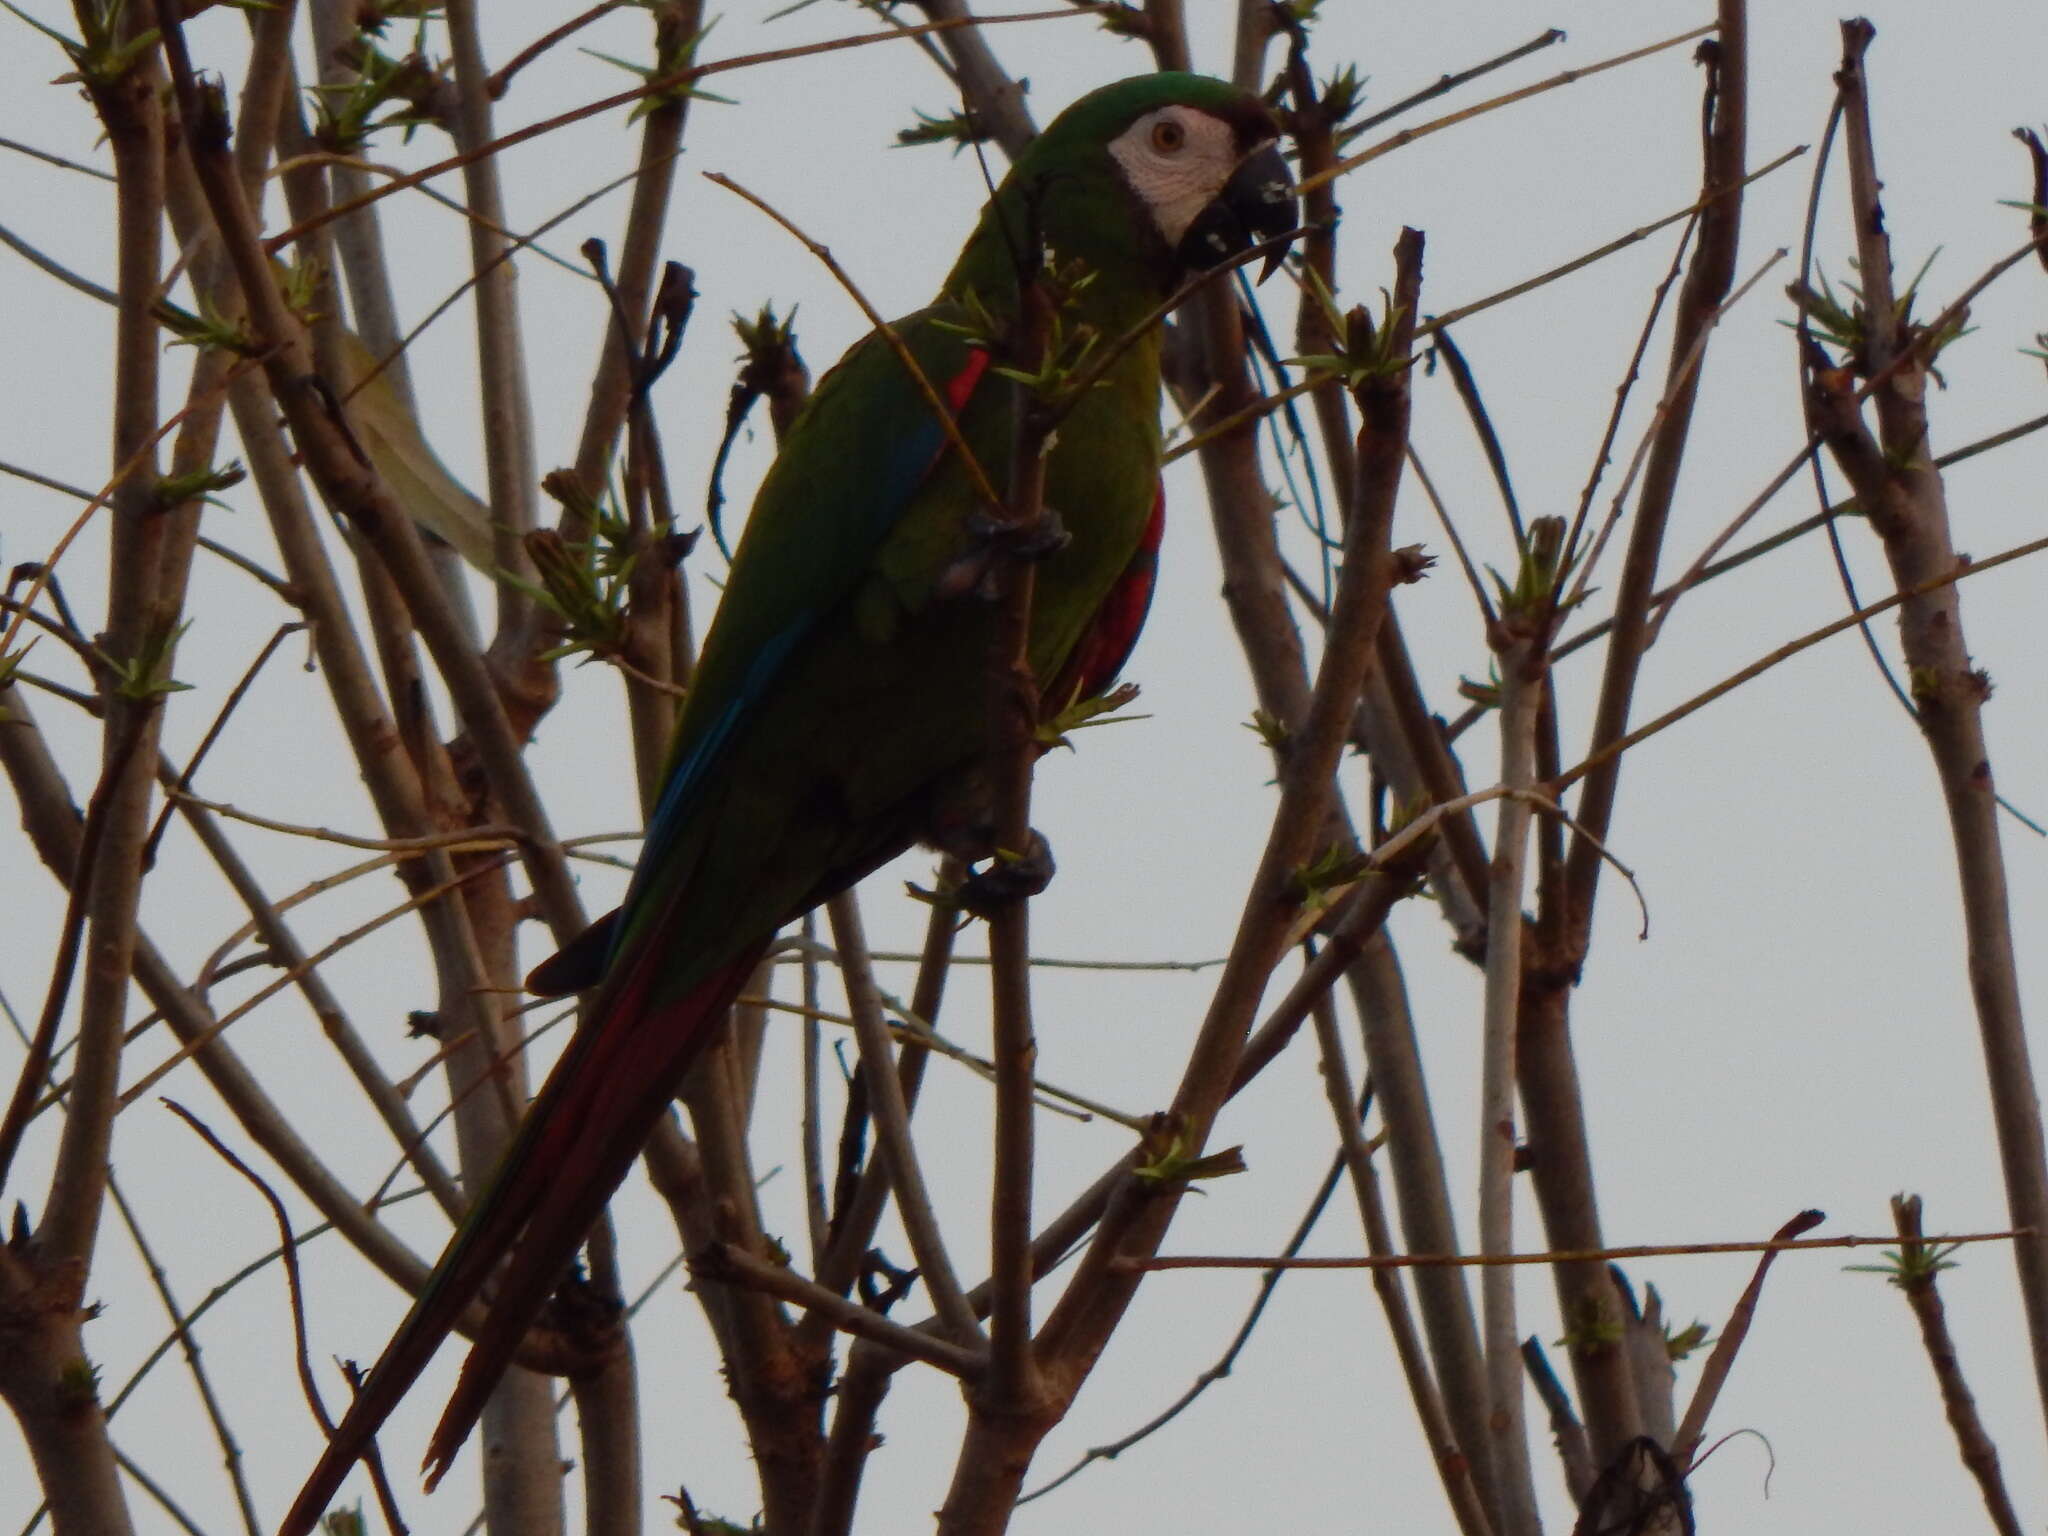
{"x":578,"y":1140}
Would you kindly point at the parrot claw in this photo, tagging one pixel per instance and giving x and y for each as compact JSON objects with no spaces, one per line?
{"x":1041,"y":539}
{"x":993,"y":539}
{"x":1009,"y":878}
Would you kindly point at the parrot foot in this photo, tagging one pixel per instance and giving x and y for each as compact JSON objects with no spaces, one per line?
{"x":992,"y":540}
{"x":592,"y":1320}
{"x":1008,"y":879}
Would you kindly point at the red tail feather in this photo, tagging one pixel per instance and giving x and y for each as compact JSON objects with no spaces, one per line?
{"x":579,"y":1139}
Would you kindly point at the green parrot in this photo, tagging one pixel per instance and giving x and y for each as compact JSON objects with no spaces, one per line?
{"x":839,"y":710}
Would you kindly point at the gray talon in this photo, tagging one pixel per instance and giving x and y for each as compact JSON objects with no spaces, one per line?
{"x":1008,"y":879}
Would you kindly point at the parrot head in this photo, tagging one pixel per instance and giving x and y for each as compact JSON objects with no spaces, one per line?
{"x":1210,"y":174}
{"x":1164,"y":173}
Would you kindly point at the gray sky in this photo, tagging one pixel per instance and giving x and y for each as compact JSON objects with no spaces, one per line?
{"x":1796,"y":1032}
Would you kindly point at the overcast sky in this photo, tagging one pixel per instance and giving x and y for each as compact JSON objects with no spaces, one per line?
{"x":1796,"y":1031}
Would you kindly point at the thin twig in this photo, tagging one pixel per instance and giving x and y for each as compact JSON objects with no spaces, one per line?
{"x":812,"y":1126}
{"x":732,"y":1265}
{"x":661,"y":86}
{"x":483,"y":838}
{"x":1453,"y":1464}
{"x":288,"y":1251}
{"x":281,"y":946}
{"x":1055,"y":963}
{"x":1604,"y":455}
{"x":1714,"y":1374}
{"x":528,"y":241}
{"x":501,"y":78}
{"x":1784,"y":536}
{"x":47,"y":566}
{"x":504,"y":390}
{"x":1445,"y":84}
{"x":1581,"y":1256}
{"x":1786,"y":652}
{"x":1680,"y":389}
{"x":181,"y":1330}
{"x":1227,"y":1361}
{"x":1437,"y":125}
{"x":850,"y":1228}
{"x":892,"y":1126}
{"x":1634,"y":236}
{"x":320,"y":956}
{"x":28,"y":1085}
{"x":57,"y":160}
{"x":515,"y":243}
{"x":983,"y":486}
{"x":295,"y":1287}
{"x":57,"y":269}
{"x":157,"y":1492}
{"x":913,"y":1031}
{"x":1953,"y":315}
{"x":1431,"y":326}
{"x":236,"y":694}
{"x":1918,"y":1264}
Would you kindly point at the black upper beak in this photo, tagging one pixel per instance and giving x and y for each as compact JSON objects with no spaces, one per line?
{"x":1257,"y":204}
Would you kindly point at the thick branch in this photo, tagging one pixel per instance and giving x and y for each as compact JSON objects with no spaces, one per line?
{"x":142,"y":624}
{"x":1453,"y":1466}
{"x":1141,"y":1210}
{"x":1561,"y":1166}
{"x":1519,"y":647}
{"x":1916,"y":1278}
{"x":1895,"y":480}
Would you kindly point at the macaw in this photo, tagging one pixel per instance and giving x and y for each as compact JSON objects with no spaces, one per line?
{"x":839,"y":709}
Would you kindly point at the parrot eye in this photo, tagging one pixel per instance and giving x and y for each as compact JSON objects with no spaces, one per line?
{"x":1168,"y":136}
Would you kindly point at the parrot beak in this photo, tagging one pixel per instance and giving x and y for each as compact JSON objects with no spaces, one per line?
{"x":1257,"y":204}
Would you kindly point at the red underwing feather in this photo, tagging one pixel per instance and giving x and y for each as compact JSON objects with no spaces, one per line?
{"x":960,"y":388}
{"x":1111,"y":635}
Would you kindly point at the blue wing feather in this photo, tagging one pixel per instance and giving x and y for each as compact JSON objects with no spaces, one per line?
{"x":823,"y":522}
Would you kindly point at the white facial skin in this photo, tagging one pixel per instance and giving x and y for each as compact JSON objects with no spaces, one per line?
{"x":1177,"y":160}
